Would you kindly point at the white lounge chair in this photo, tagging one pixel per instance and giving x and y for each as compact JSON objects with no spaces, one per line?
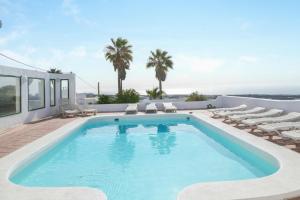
{"x":131,"y":109}
{"x":292,"y":134}
{"x":240,"y":107}
{"x":151,"y":108}
{"x":237,"y":108}
{"x":269,"y":113}
{"x":281,"y":126}
{"x":252,"y":123}
{"x":69,"y":110}
{"x":250,"y":111}
{"x":86,"y":110}
{"x":169,"y":107}
{"x":293,"y":116}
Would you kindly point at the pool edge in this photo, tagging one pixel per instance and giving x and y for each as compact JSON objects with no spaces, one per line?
{"x":285,"y":183}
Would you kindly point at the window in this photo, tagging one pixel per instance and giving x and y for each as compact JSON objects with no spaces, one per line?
{"x":64,"y":88}
{"x":52,"y":92}
{"x":10,"y":93}
{"x":36,"y":93}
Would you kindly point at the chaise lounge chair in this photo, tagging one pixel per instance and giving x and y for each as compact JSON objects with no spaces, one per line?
{"x":281,"y":126}
{"x":292,"y":134}
{"x":269,"y":113}
{"x":237,"y":108}
{"x":87,"y":111}
{"x":151,"y":108}
{"x":169,"y":107}
{"x":69,"y":110}
{"x":252,"y":123}
{"x":131,"y":109}
{"x":250,"y":111}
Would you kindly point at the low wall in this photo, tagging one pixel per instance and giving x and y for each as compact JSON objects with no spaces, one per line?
{"x":287,"y":105}
{"x":194,"y":105}
{"x":108,"y":107}
{"x":221,"y":101}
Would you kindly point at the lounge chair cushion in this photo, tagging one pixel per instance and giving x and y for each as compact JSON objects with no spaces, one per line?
{"x":294,"y":134}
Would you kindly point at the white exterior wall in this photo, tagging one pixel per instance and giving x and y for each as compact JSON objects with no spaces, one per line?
{"x":142,"y":105}
{"x":221,"y":101}
{"x":27,"y":116}
{"x":181,"y":105}
{"x":287,"y":105}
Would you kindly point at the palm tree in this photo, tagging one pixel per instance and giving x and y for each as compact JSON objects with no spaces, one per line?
{"x":54,"y":71}
{"x":120,"y":55}
{"x":162,"y":62}
{"x":154,"y":93}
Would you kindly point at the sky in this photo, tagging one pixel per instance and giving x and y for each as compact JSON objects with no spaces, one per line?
{"x":217,"y":46}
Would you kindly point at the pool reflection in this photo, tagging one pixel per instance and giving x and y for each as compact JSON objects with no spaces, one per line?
{"x":164,"y":140}
{"x":121,"y":151}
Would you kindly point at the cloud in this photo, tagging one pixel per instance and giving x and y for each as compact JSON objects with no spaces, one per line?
{"x":78,"y":52}
{"x":15,"y":34}
{"x":248,"y":59}
{"x":71,"y":9}
{"x":198,"y":64}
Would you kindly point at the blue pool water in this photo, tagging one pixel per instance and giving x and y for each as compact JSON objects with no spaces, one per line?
{"x":143,"y":158}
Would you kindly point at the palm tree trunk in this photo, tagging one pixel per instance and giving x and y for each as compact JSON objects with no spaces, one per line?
{"x":119,"y":83}
{"x":160,"y":89}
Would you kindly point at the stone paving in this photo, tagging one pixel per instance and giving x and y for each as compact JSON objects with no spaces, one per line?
{"x":15,"y":138}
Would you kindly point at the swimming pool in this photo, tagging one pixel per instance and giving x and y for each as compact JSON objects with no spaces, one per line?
{"x":143,"y":157}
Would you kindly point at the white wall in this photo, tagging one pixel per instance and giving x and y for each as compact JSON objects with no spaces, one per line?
{"x":142,"y":105}
{"x":28,"y":116}
{"x":221,"y":101}
{"x":287,"y":105}
{"x":182,"y":105}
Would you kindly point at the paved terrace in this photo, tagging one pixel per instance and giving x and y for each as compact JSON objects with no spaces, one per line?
{"x":15,"y":138}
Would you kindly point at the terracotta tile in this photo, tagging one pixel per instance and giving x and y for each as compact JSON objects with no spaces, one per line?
{"x":17,"y":137}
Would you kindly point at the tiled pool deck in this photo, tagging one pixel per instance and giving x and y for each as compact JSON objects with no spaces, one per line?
{"x":17,"y":137}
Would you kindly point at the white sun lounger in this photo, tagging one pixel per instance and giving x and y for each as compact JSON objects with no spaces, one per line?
{"x":293,"y":134}
{"x":250,"y":111}
{"x":237,"y":108}
{"x":131,"y":108}
{"x":240,"y":107}
{"x":252,"y":123}
{"x":169,"y":107}
{"x":269,"y":113}
{"x":281,"y":126}
{"x":69,"y":110}
{"x":87,"y":110}
{"x":151,"y":108}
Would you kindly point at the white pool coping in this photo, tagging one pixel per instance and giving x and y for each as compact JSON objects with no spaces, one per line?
{"x":283,"y":184}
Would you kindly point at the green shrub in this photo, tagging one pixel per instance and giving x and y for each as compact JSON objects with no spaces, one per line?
{"x":128,"y":96}
{"x":154,"y":93}
{"x":105,"y":99}
{"x":209,"y":106}
{"x":195,"y":96}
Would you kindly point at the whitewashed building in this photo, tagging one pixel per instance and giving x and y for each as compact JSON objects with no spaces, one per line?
{"x":28,"y":95}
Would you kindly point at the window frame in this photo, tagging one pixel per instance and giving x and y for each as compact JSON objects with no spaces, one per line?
{"x":28,"y":93}
{"x":61,"y":80}
{"x":52,"y":105}
{"x":20,"y":78}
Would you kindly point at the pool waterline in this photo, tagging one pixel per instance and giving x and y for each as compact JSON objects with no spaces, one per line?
{"x":157,"y":149}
